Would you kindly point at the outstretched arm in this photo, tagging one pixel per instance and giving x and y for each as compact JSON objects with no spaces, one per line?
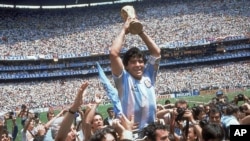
{"x":69,"y":116}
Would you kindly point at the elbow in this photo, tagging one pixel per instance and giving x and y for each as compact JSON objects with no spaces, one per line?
{"x":113,"y":53}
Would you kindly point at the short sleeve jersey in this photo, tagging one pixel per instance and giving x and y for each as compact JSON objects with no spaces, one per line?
{"x":138,"y":96}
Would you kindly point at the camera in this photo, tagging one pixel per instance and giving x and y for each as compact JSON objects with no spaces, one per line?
{"x":180,"y":112}
{"x":240,"y":97}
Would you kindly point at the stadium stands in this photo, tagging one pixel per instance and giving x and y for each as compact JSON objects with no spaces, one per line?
{"x":62,"y":46}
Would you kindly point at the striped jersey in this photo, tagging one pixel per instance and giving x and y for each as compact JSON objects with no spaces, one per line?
{"x":138,"y":96}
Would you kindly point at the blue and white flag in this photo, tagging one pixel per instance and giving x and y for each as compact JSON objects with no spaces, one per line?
{"x":111,"y":91}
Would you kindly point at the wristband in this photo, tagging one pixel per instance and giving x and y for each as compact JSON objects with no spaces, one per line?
{"x":72,"y":112}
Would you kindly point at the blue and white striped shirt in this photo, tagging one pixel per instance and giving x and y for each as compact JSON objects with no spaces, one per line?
{"x":138,"y":96}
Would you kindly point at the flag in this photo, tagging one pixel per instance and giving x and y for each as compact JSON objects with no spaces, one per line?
{"x":110,"y":90}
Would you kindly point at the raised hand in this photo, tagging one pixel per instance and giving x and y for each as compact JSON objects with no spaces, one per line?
{"x":80,"y":94}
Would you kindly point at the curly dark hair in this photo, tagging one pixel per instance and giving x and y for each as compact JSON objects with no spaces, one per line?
{"x":100,"y":133}
{"x":150,"y":130}
{"x":133,"y":53}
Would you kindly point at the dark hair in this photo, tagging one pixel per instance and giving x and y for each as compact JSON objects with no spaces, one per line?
{"x":133,"y":53}
{"x":96,"y":113}
{"x":39,"y":138}
{"x":212,"y":131}
{"x":149,"y":130}
{"x":110,"y":108}
{"x":100,"y":133}
{"x":23,"y":106}
{"x":186,"y":128}
{"x":214,"y":110}
{"x":181,"y":101}
{"x":196,"y":111}
{"x":167,"y":101}
{"x":231,"y":109}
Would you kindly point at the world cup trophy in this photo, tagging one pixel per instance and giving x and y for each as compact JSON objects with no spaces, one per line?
{"x":128,"y":11}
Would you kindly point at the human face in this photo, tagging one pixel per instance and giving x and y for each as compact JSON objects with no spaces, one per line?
{"x":162,"y":135}
{"x":31,"y":125}
{"x":207,"y":108}
{"x":5,"y":137}
{"x":191,"y":134}
{"x":108,"y":137}
{"x":214,"y":118}
{"x":202,"y":115}
{"x":97,"y":122}
{"x":71,"y":135}
{"x":50,"y":116}
{"x":135,"y":67}
{"x":111,"y":113}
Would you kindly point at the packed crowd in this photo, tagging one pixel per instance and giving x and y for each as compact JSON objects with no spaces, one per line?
{"x":175,"y":121}
{"x":176,"y":21}
{"x":41,"y":94}
{"x":28,"y":32}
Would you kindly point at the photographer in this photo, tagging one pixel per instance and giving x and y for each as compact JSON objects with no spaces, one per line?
{"x":220,"y":97}
{"x":23,"y":114}
{"x":171,"y":116}
{"x":240,"y":97}
{"x":191,"y":128}
{"x":6,"y":117}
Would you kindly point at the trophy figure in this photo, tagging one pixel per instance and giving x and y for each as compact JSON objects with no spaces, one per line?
{"x":128,"y":11}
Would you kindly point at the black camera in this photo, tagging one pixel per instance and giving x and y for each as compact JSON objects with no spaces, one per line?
{"x":180,"y":112}
{"x":240,"y":97}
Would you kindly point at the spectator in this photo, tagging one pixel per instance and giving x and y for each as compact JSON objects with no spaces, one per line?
{"x":173,"y":117}
{"x":64,"y":130}
{"x":23,"y":114}
{"x":220,"y":97}
{"x":156,"y":132}
{"x":214,"y":116}
{"x":212,"y":132}
{"x":50,"y":113}
{"x":230,"y":118}
{"x":111,"y":116}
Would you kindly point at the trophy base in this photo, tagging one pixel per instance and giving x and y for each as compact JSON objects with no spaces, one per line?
{"x":135,"y":27}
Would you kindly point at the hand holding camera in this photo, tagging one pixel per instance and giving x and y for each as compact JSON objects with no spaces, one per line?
{"x":240,"y":97}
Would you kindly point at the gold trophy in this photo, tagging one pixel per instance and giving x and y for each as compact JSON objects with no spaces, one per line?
{"x":128,"y":11}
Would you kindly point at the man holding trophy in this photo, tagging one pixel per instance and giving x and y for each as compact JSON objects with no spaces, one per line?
{"x":135,"y":77}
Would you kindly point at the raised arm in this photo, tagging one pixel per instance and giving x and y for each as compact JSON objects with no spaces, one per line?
{"x":47,"y":124}
{"x":150,"y":43}
{"x":87,"y":128}
{"x":116,"y":62}
{"x":69,"y":116}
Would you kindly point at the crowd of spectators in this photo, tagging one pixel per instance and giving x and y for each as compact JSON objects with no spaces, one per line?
{"x":33,"y":32}
{"x":41,"y":94}
{"x":43,"y":32}
{"x":82,"y":30}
